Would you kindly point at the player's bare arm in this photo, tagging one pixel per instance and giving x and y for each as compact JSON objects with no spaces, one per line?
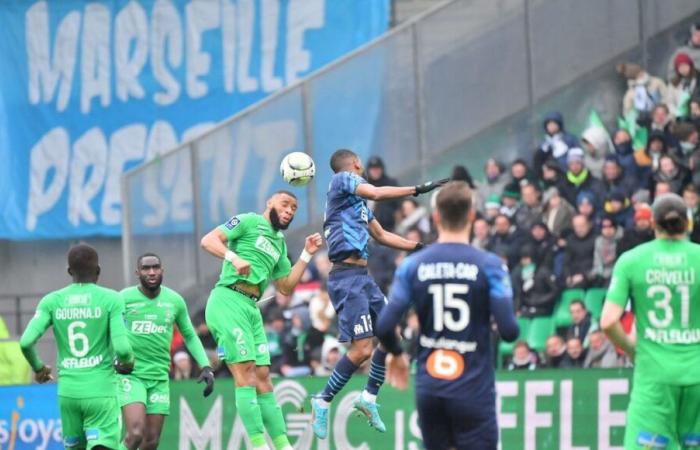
{"x":611,"y":325}
{"x":287,"y":284}
{"x":390,"y":239}
{"x":215,"y":241}
{"x":371,"y":192}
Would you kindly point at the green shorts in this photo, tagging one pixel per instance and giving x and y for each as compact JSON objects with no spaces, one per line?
{"x":236,"y":323}
{"x":155,"y":394}
{"x":662,"y":416}
{"x":89,"y":422}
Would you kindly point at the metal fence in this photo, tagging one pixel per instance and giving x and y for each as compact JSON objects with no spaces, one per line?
{"x":409,"y":96}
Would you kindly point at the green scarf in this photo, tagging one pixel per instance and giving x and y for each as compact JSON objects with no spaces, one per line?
{"x":577,"y":180}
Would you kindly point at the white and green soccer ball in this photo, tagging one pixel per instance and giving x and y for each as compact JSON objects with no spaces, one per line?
{"x":297,"y":168}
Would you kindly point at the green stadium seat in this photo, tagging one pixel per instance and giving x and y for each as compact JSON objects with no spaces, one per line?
{"x":594,"y":301}
{"x":540,"y":329}
{"x":562,"y":317}
{"x":506,"y":348}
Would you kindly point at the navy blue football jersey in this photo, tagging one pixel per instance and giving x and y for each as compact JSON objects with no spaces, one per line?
{"x":454,"y":289}
{"x":346,"y":219}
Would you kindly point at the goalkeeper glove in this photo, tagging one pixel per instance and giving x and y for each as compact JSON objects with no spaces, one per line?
{"x":429,"y":186}
{"x":123,"y":368}
{"x":207,"y":376}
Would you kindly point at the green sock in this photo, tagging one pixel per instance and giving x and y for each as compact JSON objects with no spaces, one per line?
{"x":249,"y":410}
{"x":273,"y":419}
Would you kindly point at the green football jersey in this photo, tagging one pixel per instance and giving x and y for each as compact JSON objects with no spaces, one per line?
{"x":85,"y":318}
{"x":253,"y":239}
{"x":149,"y":324}
{"x":661,"y":278}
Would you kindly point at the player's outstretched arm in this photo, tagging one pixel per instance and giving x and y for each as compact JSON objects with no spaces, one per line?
{"x":286,"y":284}
{"x":390,"y":239}
{"x":123,"y":351}
{"x":371,"y":192}
{"x":35,"y":329}
{"x":215,"y":242}
{"x":194,"y":345}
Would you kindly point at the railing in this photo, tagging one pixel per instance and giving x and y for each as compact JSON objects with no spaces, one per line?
{"x":427,"y":86}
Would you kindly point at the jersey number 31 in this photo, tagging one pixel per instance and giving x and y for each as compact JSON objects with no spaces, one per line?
{"x":449,"y":311}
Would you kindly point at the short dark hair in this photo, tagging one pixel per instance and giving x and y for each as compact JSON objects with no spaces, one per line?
{"x":521,"y":344}
{"x":83,"y":260}
{"x":146,"y":255}
{"x":340,"y":159}
{"x":454,"y":202}
{"x":285,"y":192}
{"x":670,"y":214}
{"x":578,"y":302}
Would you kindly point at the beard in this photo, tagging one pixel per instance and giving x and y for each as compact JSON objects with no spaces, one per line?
{"x":275,"y":221}
{"x":151,"y":287}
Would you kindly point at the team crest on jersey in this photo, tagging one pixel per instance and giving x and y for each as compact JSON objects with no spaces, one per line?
{"x":232,"y":223}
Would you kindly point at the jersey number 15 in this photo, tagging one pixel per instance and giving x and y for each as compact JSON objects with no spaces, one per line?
{"x":449,"y":311}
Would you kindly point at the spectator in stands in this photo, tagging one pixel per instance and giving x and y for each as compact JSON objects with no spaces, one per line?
{"x":555,"y":351}
{"x":661,"y":188}
{"x":557,"y":212}
{"x":694,"y":111}
{"x":575,"y":354}
{"x":641,"y":233}
{"x":578,"y":256}
{"x":690,"y":195}
{"x":642,"y":197}
{"x":687,"y":136}
{"x":691,"y":48}
{"x":323,"y":265}
{"x":605,"y":253}
{"x":492,"y":207}
{"x":384,"y":210}
{"x":505,"y":240}
{"x":321,"y":311}
{"x":520,"y":175}
{"x":552,"y":175}
{"x":530,"y":210}
{"x":182,"y":365}
{"x":557,"y":141}
{"x":586,"y":206}
{"x":14,"y":368}
{"x":481,"y":232}
{"x":544,"y":244}
{"x":596,"y":143}
{"x":413,"y":215}
{"x":647,"y":162}
{"x":622,"y":142}
{"x":279,"y":305}
{"x":493,"y":184}
{"x":662,"y":121}
{"x":301,"y":347}
{"x":580,"y":179}
{"x":682,"y":86}
{"x":534,"y":287}
{"x":618,"y":208}
{"x":330,"y":354}
{"x":274,"y":330}
{"x":523,"y":358}
{"x":643,"y":91}
{"x":669,"y":172}
{"x":382,"y":265}
{"x":510,"y":201}
{"x":614,"y":177}
{"x":601,"y":353}
{"x":582,"y":322}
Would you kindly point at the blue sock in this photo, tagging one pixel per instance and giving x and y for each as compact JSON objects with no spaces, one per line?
{"x":377,"y":369}
{"x":340,"y":376}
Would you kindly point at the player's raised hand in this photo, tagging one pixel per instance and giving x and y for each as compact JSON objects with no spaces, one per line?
{"x":207,"y":376}
{"x":43,"y":375}
{"x":397,"y":370}
{"x":313,"y":243}
{"x":429,"y":186}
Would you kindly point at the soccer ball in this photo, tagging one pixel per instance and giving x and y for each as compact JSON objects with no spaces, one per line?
{"x":297,"y":168}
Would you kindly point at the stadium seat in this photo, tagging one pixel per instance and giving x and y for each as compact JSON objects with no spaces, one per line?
{"x":594,"y":301}
{"x":562,"y":317}
{"x":506,"y":348}
{"x":540,"y":329}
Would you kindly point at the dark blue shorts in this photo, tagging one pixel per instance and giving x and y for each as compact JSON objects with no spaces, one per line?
{"x":451,"y":423}
{"x":357,"y":301}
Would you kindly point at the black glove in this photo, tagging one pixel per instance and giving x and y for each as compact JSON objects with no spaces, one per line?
{"x":429,"y":186}
{"x":123,"y":368}
{"x":208,"y":376}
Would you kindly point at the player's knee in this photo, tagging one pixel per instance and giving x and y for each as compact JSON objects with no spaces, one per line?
{"x":264,"y":383}
{"x":361,"y":351}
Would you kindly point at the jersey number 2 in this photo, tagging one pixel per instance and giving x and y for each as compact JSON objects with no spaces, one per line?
{"x":444,"y":298}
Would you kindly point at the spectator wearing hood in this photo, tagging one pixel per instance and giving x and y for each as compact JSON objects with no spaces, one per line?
{"x":618,"y":208}
{"x":544,"y":244}
{"x":643,"y":90}
{"x":614,"y":177}
{"x":605,"y":253}
{"x":622,"y":142}
{"x":682,"y":85}
{"x":552,"y":175}
{"x":523,"y":358}
{"x":505,"y":239}
{"x":510,"y":201}
{"x":494,"y":181}
{"x":575,"y":354}
{"x":691,"y":48}
{"x":534,"y":286}
{"x":596,"y":143}
{"x":641,"y":232}
{"x":330,"y":355}
{"x":556,"y":143}
{"x":673,"y":174}
{"x":554,"y":353}
{"x":492,"y":207}
{"x":688,"y":138}
{"x":530,"y":210}
{"x":578,"y":255}
{"x":579,"y":178}
{"x":557,"y":212}
{"x":601,"y":353}
{"x":586,"y":206}
{"x":376,"y":175}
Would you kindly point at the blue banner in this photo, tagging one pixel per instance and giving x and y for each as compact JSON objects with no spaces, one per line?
{"x":29,"y":418}
{"x":89,"y":90}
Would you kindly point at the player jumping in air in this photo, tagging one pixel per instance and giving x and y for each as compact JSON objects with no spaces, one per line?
{"x":88,"y":324}
{"x":151,"y":311}
{"x":254,"y":251}
{"x":661,"y":279}
{"x":354,"y":294}
{"x":454,"y":289}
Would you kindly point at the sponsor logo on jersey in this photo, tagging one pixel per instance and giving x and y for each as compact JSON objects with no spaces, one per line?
{"x":78,"y":299}
{"x":81,"y":363}
{"x":359,"y":329}
{"x":158,"y":397}
{"x":447,"y":344}
{"x":147,"y":327}
{"x":265,"y":246}
{"x":232,"y":223}
{"x":164,"y":305}
{"x":262,"y":348}
{"x":78,"y":313}
{"x":151,"y":317}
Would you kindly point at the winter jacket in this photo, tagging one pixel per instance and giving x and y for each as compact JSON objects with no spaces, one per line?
{"x":603,"y":358}
{"x":676,"y":180}
{"x":654,"y":92}
{"x":600,"y":141}
{"x":487,"y":188}
{"x":507,"y":245}
{"x":569,"y":363}
{"x":535,"y":291}
{"x":556,"y":146}
{"x":604,"y":254}
{"x":545,"y":250}
{"x":632,"y":238}
{"x":678,"y":89}
{"x":526,"y":216}
{"x":581,"y":330}
{"x":559,"y":220}
{"x":578,"y":256}
{"x":689,"y":49}
{"x":590,"y":184}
